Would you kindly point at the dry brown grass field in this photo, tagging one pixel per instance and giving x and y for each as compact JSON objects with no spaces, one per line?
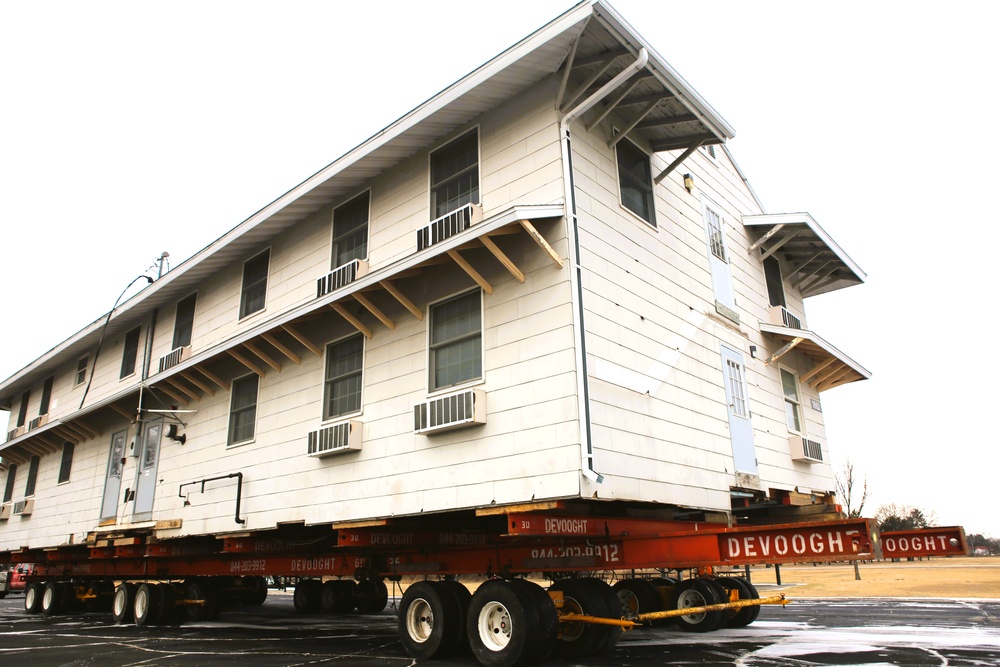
{"x":957,"y":577}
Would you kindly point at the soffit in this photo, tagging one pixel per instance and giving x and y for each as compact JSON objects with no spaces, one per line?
{"x":831,"y":367}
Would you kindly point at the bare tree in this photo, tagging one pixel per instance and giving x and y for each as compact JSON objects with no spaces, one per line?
{"x":847,"y":488}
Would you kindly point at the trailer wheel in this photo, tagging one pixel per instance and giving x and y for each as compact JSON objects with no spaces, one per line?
{"x":146,"y":606}
{"x":499,"y":625}
{"x":544,"y":619}
{"x":52,"y":595}
{"x":122,"y":609}
{"x":586,"y":596}
{"x":337,"y":596}
{"x":746,"y":615}
{"x":696,"y":593}
{"x":637,"y":596}
{"x":167,"y":610}
{"x":371,"y":596}
{"x":307,"y":595}
{"x":462,"y":598}
{"x":429,"y":621}
{"x":199,"y":590}
{"x":258,"y":590}
{"x":33,"y":598}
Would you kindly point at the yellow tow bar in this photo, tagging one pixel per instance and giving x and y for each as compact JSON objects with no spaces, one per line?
{"x":626,"y":624}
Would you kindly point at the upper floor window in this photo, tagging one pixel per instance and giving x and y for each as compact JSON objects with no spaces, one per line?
{"x":43,"y":406}
{"x":8,"y":491}
{"x":456,"y":340}
{"x":716,"y":240}
{"x":22,"y":413}
{"x":243,"y":409}
{"x":184,"y":321}
{"x":350,"y":230}
{"x":342,"y":386}
{"x":772,"y":277}
{"x":254,"y":283}
{"x":455,"y":174}
{"x":635,"y":180}
{"x":793,"y":407}
{"x":67,"y":461}
{"x":81,"y":371}
{"x":129,"y":353}
{"x":29,"y":488}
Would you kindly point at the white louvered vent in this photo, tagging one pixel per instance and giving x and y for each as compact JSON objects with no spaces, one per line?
{"x":803,"y":449}
{"x":341,"y":276}
{"x":343,"y":437}
{"x":445,"y":413}
{"x":448,"y":225}
{"x":781,"y":316}
{"x":23,"y":507}
{"x":174,"y":357}
{"x":40,"y":420}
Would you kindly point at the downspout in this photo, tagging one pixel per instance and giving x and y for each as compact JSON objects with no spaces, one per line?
{"x":572,"y":232}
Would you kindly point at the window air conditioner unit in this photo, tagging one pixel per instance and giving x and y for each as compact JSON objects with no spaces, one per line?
{"x":23,"y":507}
{"x":342,"y":437}
{"x":343,"y":275}
{"x":15,"y":433}
{"x":174,"y":357}
{"x":466,"y":408}
{"x":782,"y":317}
{"x":5,"y":511}
{"x":449,"y":225}
{"x":803,"y":449}
{"x":40,"y":420}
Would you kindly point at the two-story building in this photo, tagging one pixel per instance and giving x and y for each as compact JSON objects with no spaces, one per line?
{"x":548,"y":283}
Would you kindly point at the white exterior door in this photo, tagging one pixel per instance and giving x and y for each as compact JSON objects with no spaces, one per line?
{"x":149,"y":457}
{"x":740,"y":427}
{"x":113,"y":481}
{"x":718,"y":257}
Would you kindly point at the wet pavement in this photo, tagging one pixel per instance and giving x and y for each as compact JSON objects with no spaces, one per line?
{"x":809,"y":632}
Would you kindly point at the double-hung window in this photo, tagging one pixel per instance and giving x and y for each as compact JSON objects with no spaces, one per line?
{"x":184,"y":321}
{"x":29,"y":488}
{"x":635,"y":181}
{"x":793,"y":407}
{"x":129,"y":353}
{"x":342,"y":386}
{"x":350,"y":230}
{"x":22,"y":413}
{"x":455,"y":175}
{"x":67,"y":462}
{"x":254,"y":284}
{"x":772,"y":278}
{"x":243,"y":409}
{"x":43,"y":406}
{"x":456,"y":341}
{"x":81,"y":371}
{"x":8,"y":490}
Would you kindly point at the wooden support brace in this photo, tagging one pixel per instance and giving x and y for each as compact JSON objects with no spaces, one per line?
{"x":676,"y":163}
{"x":280,"y":347}
{"x":542,"y":243}
{"x":212,"y":376}
{"x":498,"y":253}
{"x":353,"y":320}
{"x":400,"y":297}
{"x":765,"y":238}
{"x":816,"y":369}
{"x":184,"y":390}
{"x":205,"y":387}
{"x":124,"y":413}
{"x":266,"y":359}
{"x":177,"y":397}
{"x":783,"y":351}
{"x":373,"y":309}
{"x":302,"y":339}
{"x":246,"y":362}
{"x":482,"y":282}
{"x":70,"y":433}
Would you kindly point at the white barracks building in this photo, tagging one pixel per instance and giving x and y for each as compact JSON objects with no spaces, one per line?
{"x":549,"y":285}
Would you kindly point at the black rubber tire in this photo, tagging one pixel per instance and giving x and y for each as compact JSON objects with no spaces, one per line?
{"x":33,"y":598}
{"x":428,"y":621}
{"x":168,"y":612}
{"x":122,"y":609}
{"x":371,"y":596}
{"x":544,"y":618}
{"x":462,"y":598}
{"x":199,"y":590}
{"x":739,"y":617}
{"x":307,"y":596}
{"x":337,"y":596}
{"x":52,"y":596}
{"x":502,"y":624}
{"x":146,"y":604}
{"x":583,"y":596}
{"x":696,"y":593}
{"x":637,"y":596}
{"x":257,"y":593}
{"x":68,"y":600}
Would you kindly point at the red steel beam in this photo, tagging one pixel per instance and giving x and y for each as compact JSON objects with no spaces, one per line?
{"x":917,"y":543}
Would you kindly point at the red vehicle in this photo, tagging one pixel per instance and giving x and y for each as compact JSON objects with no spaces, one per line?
{"x":13,"y":580}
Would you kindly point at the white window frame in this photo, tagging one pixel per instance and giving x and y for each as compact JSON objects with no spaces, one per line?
{"x":796,"y":403}
{"x":433,"y":390}
{"x":652,"y":185}
{"x":80,"y":374}
{"x":243,"y":287}
{"x":256,"y":404}
{"x":326,"y":379}
{"x":432,"y":206}
{"x":333,"y":227}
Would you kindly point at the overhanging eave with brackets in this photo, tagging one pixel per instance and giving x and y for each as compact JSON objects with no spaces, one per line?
{"x":816,"y":263}
{"x":831,"y":367}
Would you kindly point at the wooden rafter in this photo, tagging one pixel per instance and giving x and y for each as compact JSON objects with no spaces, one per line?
{"x":646,"y":110}
{"x":309,"y":345}
{"x":373,"y":309}
{"x":280,"y":347}
{"x":66,"y":434}
{"x":783,"y":351}
{"x":194,"y":396}
{"x":765,"y":238}
{"x":355,"y":322}
{"x":204,"y":386}
{"x":263,"y":357}
{"x":13,"y":457}
{"x":614,"y":104}
{"x":778,"y":244}
{"x":124,"y":413}
{"x":75,"y":429}
{"x":246,"y":362}
{"x":53,"y":446}
{"x":542,"y":243}
{"x":816,"y":369}
{"x":475,"y":275}
{"x":400,"y":297}
{"x":86,"y":428}
{"x":677,"y":162}
{"x":177,"y":397}
{"x":835,"y":379}
{"x":211,"y":376}
{"x":583,"y":87}
{"x":493,"y":248}
{"x":33,"y":448}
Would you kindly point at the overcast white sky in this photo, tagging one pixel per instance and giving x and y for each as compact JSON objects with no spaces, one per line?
{"x":130,"y":128}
